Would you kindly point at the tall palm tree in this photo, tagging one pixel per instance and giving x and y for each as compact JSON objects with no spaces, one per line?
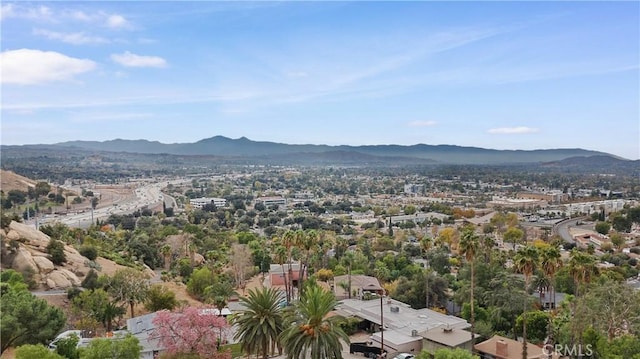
{"x":349,"y":258}
{"x":281,"y":258}
{"x":526,"y":261}
{"x":309,"y":244}
{"x":551,"y":262}
{"x":261,"y":324}
{"x":289,"y":241}
{"x":310,"y":332}
{"x":469,"y":244}
{"x":582,"y":267}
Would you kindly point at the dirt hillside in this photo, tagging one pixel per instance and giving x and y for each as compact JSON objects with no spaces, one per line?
{"x":10,"y":181}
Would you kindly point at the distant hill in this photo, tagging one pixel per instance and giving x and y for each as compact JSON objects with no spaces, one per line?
{"x":421,"y":153}
{"x":598,"y":164}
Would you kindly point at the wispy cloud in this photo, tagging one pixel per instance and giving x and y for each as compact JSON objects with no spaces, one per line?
{"x":117,"y":22}
{"x":128,"y":59}
{"x":512,"y":130}
{"x":108,"y":117}
{"x":74,"y":38}
{"x":29,"y":67}
{"x":43,"y":13}
{"x":422,"y":123}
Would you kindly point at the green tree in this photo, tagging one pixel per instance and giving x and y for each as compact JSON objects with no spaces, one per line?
{"x":469,"y":244}
{"x":159,"y":298}
{"x":537,"y":325}
{"x":32,"y":351}
{"x":446,"y":353}
{"x":610,"y":307}
{"x":550,"y":263}
{"x":127,"y":347}
{"x":68,"y":347}
{"x":27,"y":319}
{"x":97,"y":305}
{"x":582,"y":267}
{"x":526,"y":261}
{"x":55,"y":249}
{"x":129,"y":286}
{"x":603,"y":227}
{"x":261,"y":323}
{"x":513,"y":235}
{"x":310,"y":332}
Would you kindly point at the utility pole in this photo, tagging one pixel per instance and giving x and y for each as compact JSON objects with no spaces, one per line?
{"x":382,"y":326}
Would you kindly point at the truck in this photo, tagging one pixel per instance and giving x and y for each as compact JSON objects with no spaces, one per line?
{"x":366,"y":349}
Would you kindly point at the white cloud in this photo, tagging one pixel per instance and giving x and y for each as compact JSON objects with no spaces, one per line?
{"x":32,"y":13}
{"x":422,"y":123}
{"x":75,"y":38}
{"x":132,"y":60}
{"x":116,"y":21}
{"x":512,"y":130}
{"x":29,"y":67}
{"x":7,"y":11}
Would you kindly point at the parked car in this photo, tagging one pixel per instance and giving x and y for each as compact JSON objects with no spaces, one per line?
{"x":404,"y":356}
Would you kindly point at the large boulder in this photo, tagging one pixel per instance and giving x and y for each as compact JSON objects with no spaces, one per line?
{"x":198,"y":259}
{"x":58,"y":279}
{"x":62,"y":279}
{"x":30,"y":235}
{"x":45,"y":266}
{"x":13,"y":235}
{"x":24,"y":261}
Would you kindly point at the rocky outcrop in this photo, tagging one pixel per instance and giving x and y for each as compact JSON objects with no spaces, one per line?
{"x":45,"y":266}
{"x":23,"y":261}
{"x":30,"y":235}
{"x":30,"y":255}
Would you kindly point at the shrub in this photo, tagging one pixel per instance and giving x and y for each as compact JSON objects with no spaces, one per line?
{"x":90,"y":252}
{"x":73,"y":292}
{"x":159,"y":297}
{"x":55,"y":249}
{"x":91,"y":281}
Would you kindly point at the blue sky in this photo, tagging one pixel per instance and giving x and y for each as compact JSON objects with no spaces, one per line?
{"x":503,"y":75}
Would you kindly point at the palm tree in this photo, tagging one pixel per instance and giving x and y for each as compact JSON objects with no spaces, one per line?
{"x":526,"y":261}
{"x":280,"y":258}
{"x":309,"y":332}
{"x":261,"y":324}
{"x":166,"y":254}
{"x":308,"y":242}
{"x":349,"y":257}
{"x":289,"y":240}
{"x":469,"y":244}
{"x":551,"y":262}
{"x":582,"y":267}
{"x":425,"y":246}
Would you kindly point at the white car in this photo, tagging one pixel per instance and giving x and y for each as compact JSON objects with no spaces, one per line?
{"x":63,"y":335}
{"x":404,"y":356}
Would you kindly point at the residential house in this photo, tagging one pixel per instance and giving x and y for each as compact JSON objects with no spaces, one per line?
{"x":402,"y":324}
{"x":360,"y":284}
{"x":445,"y":338}
{"x":498,"y":347}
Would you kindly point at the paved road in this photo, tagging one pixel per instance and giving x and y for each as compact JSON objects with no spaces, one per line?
{"x":562,"y":229}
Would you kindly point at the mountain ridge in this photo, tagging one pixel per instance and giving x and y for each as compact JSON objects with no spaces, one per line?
{"x":244,"y":147}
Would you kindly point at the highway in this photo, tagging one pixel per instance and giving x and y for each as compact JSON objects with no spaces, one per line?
{"x":148,"y":195}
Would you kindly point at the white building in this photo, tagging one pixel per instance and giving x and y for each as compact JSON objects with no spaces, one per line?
{"x":202,"y":201}
{"x":270,"y":201}
{"x":403,"y":325}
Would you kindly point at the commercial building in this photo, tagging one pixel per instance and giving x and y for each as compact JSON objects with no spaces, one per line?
{"x":203,"y":201}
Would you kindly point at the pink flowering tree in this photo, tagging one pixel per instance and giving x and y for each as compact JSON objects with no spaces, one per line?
{"x":192,"y":331}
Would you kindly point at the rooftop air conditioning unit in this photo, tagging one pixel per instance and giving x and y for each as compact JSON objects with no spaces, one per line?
{"x":395,"y":309}
{"x":414,"y":333}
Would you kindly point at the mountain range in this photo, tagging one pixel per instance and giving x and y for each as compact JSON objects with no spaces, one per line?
{"x":419,"y":153}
